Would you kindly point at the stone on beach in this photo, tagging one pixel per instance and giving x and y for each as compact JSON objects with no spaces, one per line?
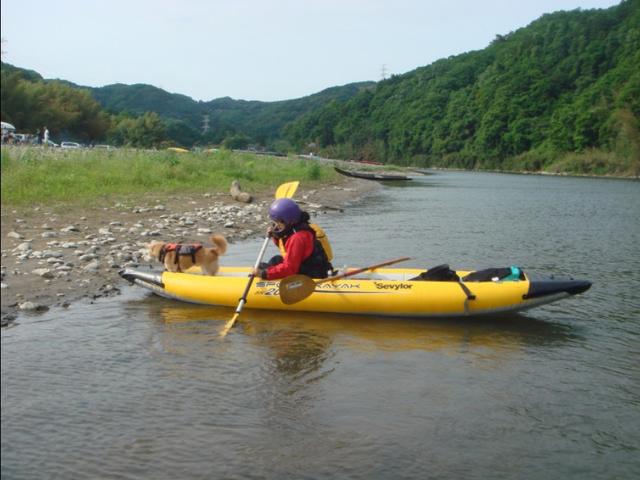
{"x":43,"y":272}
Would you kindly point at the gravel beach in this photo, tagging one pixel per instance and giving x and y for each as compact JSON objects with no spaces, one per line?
{"x":56,"y":254}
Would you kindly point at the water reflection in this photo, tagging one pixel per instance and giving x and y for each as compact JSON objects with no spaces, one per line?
{"x":298,"y":339}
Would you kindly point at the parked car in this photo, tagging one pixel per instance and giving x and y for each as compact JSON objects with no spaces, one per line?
{"x":52,"y":144}
{"x":7,"y":127}
{"x":70,"y":145}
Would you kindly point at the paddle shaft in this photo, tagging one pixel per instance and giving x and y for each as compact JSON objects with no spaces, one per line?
{"x":243,"y":299}
{"x":360,"y":270}
{"x":286,"y":190}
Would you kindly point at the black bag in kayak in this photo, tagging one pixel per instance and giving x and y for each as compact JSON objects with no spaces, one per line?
{"x":440,"y":273}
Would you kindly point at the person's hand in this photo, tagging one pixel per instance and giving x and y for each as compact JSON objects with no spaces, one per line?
{"x":275,"y":230}
{"x":258,"y":272}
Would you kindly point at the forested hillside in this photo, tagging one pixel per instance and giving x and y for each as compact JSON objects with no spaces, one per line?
{"x":30,"y":102}
{"x":562,"y":94}
{"x":259,"y":122}
{"x":264,"y":121}
{"x":565,"y":88}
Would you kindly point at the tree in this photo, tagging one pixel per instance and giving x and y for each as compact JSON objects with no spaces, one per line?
{"x":236,"y":141}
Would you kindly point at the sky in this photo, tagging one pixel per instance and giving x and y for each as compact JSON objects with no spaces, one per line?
{"x":264,"y":50}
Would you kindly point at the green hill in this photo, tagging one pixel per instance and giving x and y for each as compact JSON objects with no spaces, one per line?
{"x":261,"y":121}
{"x":141,"y":98}
{"x":567,"y":84}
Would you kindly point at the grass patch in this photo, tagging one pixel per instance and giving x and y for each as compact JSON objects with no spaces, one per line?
{"x":594,"y":162}
{"x":35,"y":175}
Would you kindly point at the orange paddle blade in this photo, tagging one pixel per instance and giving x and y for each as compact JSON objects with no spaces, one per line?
{"x":296,"y":288}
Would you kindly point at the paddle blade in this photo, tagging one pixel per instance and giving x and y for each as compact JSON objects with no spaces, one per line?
{"x":286,"y":190}
{"x":295,"y":288}
{"x":229,"y":325}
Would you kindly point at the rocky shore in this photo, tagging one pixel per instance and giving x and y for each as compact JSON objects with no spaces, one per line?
{"x":55,"y":255}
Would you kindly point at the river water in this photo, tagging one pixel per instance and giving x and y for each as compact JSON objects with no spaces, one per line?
{"x":137,"y":386}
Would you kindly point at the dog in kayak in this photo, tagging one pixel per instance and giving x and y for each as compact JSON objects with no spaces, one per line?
{"x":179,"y":257}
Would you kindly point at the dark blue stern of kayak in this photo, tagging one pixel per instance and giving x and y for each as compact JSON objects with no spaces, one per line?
{"x":541,"y":287}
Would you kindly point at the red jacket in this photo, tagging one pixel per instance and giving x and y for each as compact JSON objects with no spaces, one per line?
{"x":298,"y":247}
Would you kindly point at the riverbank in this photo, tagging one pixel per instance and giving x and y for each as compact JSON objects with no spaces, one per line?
{"x":536,"y":172}
{"x":54,"y":255}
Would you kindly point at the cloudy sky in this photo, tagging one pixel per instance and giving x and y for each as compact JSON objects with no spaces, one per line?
{"x":253,"y":49}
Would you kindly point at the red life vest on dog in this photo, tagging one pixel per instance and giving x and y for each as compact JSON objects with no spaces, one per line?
{"x":180,"y":249}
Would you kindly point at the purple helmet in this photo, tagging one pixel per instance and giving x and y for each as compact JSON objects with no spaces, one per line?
{"x":286,"y":211}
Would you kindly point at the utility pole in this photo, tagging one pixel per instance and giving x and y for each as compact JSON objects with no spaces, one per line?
{"x":383,"y":72}
{"x":205,"y":123}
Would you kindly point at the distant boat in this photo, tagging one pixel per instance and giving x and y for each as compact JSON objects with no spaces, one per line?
{"x":422,"y":171}
{"x":381,"y":177}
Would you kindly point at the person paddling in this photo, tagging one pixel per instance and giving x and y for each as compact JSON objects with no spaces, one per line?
{"x":304,"y":247}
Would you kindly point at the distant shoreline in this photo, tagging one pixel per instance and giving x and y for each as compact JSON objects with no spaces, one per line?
{"x":541,"y":173}
{"x":413,"y":168}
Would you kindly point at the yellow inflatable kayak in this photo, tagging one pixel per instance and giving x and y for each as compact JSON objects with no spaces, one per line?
{"x":397,"y":292}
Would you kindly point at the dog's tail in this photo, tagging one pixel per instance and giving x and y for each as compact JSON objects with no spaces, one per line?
{"x":220,"y":243}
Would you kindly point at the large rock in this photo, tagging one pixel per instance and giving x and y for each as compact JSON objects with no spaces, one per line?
{"x":237,"y":194}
